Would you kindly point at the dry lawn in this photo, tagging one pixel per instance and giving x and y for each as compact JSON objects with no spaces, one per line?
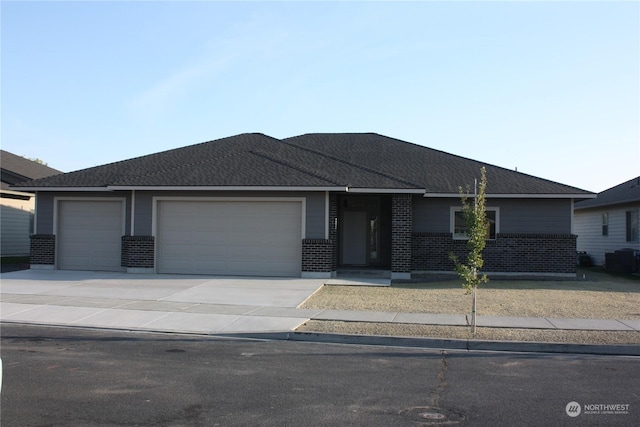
{"x":461,"y":332}
{"x":597,"y":296}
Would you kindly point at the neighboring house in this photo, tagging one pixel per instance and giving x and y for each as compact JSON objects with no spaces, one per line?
{"x":304,"y":206}
{"x":609,"y":223}
{"x":17,"y":207}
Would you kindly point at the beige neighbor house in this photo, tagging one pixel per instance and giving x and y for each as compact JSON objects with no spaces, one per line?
{"x":607,"y":227}
{"x":17,"y":207}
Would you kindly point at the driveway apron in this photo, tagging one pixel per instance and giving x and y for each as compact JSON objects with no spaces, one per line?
{"x":179,"y":303}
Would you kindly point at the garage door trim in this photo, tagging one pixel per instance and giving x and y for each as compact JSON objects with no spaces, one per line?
{"x":158,"y":199}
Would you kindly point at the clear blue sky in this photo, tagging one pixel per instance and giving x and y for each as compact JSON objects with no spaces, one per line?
{"x":550,"y":88}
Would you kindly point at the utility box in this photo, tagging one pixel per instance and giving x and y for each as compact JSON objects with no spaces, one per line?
{"x":625,"y":261}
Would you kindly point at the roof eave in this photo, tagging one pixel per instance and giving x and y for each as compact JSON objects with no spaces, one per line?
{"x":386,"y":190}
{"x":58,"y":189}
{"x":222,"y":188}
{"x":518,"y":196}
{"x":16,"y":193}
{"x":608,"y":204}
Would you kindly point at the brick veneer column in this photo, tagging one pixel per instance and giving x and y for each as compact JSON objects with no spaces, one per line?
{"x":401,"y":225}
{"x":138,"y":254}
{"x":317,"y":258}
{"x":43,"y":251}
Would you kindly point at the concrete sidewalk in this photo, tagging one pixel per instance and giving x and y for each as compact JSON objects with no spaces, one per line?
{"x":209,"y":304}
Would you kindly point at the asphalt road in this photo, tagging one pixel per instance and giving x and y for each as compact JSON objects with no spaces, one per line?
{"x":75,"y":377}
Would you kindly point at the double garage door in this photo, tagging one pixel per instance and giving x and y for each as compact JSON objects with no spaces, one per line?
{"x":255,"y":238}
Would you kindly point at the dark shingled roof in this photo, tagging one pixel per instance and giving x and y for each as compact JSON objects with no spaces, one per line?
{"x":354,"y":160}
{"x":627,"y":192}
{"x":16,"y":169}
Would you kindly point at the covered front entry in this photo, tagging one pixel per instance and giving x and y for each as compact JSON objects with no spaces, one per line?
{"x":227,"y":237}
{"x":364,"y":231}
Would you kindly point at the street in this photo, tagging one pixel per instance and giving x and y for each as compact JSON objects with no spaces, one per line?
{"x":81,"y":377}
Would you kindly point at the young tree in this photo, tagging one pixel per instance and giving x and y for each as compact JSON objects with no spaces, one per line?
{"x":477,"y":225}
{"x":39,"y":161}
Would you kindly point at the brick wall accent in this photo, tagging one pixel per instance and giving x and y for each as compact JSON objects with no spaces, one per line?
{"x":317,"y":255}
{"x":401,"y":224}
{"x":137,"y":252}
{"x":43,"y":249}
{"x":509,"y":253}
{"x":430,"y":251}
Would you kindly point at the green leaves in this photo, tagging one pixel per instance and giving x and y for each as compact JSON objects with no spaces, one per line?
{"x":477,"y":224}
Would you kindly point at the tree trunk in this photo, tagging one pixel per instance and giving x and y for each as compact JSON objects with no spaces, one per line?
{"x":473,"y":313}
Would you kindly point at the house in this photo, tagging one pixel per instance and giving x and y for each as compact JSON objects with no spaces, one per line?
{"x":609,"y":223}
{"x":17,"y":207}
{"x":303,"y":206}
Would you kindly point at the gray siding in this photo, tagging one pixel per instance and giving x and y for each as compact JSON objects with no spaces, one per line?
{"x":315,"y":207}
{"x":531,"y":216}
{"x":316,"y":215}
{"x":432,"y":215}
{"x":143,"y":213}
{"x":44,"y":213}
{"x":544,"y":216}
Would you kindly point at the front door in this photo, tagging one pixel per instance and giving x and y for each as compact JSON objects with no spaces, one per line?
{"x":364,"y":231}
{"x":354,"y":238}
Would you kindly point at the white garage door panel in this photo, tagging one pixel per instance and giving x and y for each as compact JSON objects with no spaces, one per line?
{"x":229,"y":237}
{"x":89,"y":235}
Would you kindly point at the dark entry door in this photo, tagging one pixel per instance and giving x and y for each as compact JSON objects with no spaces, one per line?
{"x":354,"y":238}
{"x":362,"y":231}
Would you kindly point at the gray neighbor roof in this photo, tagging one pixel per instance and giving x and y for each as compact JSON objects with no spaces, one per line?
{"x":627,"y":192}
{"x":353,"y":160}
{"x":16,"y":169}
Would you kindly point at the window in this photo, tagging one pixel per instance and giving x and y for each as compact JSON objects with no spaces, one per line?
{"x":605,"y":224}
{"x":459,"y":227}
{"x":632,"y":226}
{"x":373,"y":238}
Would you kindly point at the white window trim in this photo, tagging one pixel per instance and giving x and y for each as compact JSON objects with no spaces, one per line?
{"x":452,"y":221}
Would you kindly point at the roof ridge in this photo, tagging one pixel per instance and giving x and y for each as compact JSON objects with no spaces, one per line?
{"x":338,"y":159}
{"x":175,"y":167}
{"x":202,"y":160}
{"x":25,"y":167}
{"x":289,"y":165}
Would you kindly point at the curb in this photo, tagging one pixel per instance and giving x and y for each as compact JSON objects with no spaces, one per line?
{"x":392,"y":341}
{"x":449,"y":344}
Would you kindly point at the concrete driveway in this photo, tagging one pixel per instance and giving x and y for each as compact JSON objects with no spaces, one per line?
{"x":202,"y":304}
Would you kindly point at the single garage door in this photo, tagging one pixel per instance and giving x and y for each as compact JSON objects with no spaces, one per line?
{"x":89,"y":235}
{"x":246,"y":238}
